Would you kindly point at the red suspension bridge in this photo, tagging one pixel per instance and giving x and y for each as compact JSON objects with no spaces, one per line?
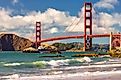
{"x":115,"y":39}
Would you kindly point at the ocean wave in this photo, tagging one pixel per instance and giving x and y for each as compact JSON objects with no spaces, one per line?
{"x":55,"y":63}
{"x":52,"y":63}
{"x":68,"y":61}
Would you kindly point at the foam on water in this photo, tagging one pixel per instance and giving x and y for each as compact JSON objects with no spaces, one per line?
{"x":93,"y":66}
{"x":67,"y":61}
{"x":87,"y":59}
{"x":53,"y":63}
{"x":10,"y":77}
{"x":12,"y":64}
{"x":85,"y":75}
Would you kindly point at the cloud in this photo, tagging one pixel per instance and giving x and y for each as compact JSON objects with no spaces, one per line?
{"x":54,"y":30}
{"x":55,"y":21}
{"x":108,"y":4}
{"x":52,"y":21}
{"x":15,"y":1}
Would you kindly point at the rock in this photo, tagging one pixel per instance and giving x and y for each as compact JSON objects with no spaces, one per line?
{"x":12,"y":42}
{"x":30,"y":50}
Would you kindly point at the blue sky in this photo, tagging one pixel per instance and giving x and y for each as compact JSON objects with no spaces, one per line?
{"x":72,"y":6}
{"x":56,"y":16}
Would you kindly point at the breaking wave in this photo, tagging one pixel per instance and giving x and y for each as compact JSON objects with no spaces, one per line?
{"x":53,"y":63}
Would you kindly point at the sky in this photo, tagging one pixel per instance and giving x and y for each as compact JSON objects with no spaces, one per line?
{"x":58,"y":17}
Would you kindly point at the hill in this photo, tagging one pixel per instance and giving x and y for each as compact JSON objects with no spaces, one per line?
{"x":12,"y":42}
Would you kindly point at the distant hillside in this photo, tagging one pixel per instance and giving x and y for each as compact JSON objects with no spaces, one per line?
{"x":68,"y":46}
{"x":12,"y":42}
{"x":79,"y":46}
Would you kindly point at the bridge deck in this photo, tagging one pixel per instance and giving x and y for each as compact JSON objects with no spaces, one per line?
{"x":77,"y":37}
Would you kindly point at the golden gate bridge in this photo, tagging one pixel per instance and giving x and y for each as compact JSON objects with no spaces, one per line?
{"x":115,"y":39}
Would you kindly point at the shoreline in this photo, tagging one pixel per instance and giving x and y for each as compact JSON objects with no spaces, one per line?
{"x":73,"y":73}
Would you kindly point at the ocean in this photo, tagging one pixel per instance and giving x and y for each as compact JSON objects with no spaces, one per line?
{"x":34,"y":66}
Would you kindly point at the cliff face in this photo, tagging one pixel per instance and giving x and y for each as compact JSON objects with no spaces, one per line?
{"x":12,"y":42}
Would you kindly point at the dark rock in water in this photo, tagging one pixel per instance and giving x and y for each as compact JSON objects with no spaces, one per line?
{"x":31,"y":52}
{"x":12,"y":42}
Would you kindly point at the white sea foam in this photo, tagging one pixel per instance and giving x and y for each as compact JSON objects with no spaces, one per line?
{"x":115,"y":60}
{"x":12,"y":64}
{"x":57,"y":72}
{"x":53,"y":63}
{"x":102,"y":62}
{"x":83,"y":76}
{"x":10,"y":77}
{"x":87,"y":59}
{"x":92,"y":66}
{"x":66,"y":61}
{"x":57,"y":62}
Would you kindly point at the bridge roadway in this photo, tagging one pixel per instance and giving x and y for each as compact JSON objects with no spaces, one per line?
{"x":77,"y":37}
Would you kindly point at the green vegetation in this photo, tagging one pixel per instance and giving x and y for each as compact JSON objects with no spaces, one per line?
{"x":68,"y":46}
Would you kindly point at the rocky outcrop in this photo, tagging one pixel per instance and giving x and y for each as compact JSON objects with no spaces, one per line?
{"x":12,"y":42}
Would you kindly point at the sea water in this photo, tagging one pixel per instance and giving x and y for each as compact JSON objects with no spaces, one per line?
{"x":18,"y":64}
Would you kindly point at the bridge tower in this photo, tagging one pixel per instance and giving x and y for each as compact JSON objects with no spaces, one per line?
{"x":87,"y":25}
{"x":38,"y":34}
